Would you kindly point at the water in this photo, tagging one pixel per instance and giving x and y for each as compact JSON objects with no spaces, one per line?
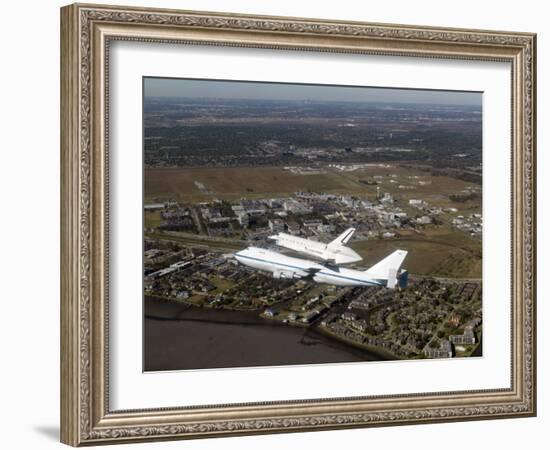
{"x":178,"y":337}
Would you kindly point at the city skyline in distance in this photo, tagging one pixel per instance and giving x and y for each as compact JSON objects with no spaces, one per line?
{"x":255,"y":90}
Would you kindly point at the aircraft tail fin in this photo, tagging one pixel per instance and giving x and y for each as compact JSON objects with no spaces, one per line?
{"x":343,"y":238}
{"x":388,"y":269}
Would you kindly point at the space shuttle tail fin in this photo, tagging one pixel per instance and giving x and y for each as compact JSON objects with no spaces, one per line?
{"x":343,"y":238}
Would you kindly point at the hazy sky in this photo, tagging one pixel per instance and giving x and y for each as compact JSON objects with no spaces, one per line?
{"x":170,"y":87}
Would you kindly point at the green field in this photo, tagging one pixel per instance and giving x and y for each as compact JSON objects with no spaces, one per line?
{"x":444,"y":254}
{"x":192,"y":241}
{"x":221,"y":284}
{"x":151,"y":219}
{"x":436,"y":192}
{"x":234,"y":183}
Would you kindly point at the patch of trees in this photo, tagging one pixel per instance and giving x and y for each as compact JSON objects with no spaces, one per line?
{"x":368,"y":182}
{"x":459,"y":175}
{"x":461,"y":198}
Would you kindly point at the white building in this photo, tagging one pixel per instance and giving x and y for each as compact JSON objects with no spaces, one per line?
{"x":243,"y":219}
{"x":424,"y":220}
{"x":276,"y":225}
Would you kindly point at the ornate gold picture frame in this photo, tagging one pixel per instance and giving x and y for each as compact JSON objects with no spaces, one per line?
{"x":87,"y":31}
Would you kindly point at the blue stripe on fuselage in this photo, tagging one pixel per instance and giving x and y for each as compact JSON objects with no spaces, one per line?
{"x":376,"y":283}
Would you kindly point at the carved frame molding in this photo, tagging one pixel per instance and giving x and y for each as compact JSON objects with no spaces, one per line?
{"x":86,"y":31}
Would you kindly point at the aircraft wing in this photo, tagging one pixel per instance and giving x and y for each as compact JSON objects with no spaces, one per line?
{"x":290,"y":274}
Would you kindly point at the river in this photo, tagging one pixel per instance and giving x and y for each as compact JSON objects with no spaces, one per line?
{"x":178,"y":337}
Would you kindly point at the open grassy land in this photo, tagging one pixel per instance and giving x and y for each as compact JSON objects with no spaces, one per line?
{"x":259,"y":182}
{"x":406,"y":183}
{"x":151,"y":219}
{"x":235,"y":183}
{"x":439,"y":253}
{"x":219,"y":244}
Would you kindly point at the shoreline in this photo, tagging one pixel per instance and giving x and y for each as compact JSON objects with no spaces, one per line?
{"x":381,"y":352}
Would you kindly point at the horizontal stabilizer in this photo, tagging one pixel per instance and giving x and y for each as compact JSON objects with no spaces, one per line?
{"x":403,"y":279}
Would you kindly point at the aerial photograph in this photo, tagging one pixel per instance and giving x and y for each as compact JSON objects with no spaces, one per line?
{"x":294,"y":224}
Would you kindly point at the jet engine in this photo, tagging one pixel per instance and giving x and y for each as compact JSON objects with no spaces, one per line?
{"x":285,"y":274}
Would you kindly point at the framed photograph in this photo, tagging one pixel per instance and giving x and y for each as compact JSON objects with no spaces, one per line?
{"x":276,"y":224}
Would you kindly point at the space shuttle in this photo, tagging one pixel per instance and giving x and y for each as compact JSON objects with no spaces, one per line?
{"x":335,"y":252}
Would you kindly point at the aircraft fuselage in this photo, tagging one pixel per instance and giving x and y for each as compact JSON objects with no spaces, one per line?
{"x":282,"y":266}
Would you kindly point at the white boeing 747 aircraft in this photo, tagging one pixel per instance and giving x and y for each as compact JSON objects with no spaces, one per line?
{"x":384,"y":273}
{"x":334,"y":252}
